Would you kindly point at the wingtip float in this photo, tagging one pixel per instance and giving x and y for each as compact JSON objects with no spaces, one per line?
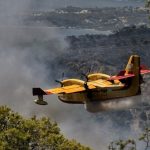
{"x":99,"y":87}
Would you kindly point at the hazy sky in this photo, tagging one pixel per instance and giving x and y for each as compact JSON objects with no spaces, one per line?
{"x":51,"y":4}
{"x":47,"y":4}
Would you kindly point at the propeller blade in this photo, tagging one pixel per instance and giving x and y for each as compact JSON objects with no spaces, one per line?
{"x":63,"y":74}
{"x":59,"y":82}
{"x":85,"y":77}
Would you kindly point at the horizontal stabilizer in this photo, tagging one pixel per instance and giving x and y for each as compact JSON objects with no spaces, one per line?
{"x":121,"y":77}
{"x":144,"y":69}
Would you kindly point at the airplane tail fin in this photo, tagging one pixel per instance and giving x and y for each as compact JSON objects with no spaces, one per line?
{"x":133,"y":65}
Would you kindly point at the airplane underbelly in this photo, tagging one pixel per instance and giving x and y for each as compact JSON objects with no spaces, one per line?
{"x":96,"y":95}
{"x":77,"y":98}
{"x":82,"y":97}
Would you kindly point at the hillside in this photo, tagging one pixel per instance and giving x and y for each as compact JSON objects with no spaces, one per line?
{"x":109,"y":53}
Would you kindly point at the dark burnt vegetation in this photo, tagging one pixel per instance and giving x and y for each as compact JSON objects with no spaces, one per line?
{"x":106,"y":53}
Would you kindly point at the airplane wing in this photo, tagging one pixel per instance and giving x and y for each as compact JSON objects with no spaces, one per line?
{"x":66,"y":89}
{"x":105,"y":84}
{"x":77,"y":88}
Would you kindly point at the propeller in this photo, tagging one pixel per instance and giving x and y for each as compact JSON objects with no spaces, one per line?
{"x":86,"y":77}
{"x":86,"y":85}
{"x":89,"y":93}
{"x":60,"y":82}
{"x":86,"y":74}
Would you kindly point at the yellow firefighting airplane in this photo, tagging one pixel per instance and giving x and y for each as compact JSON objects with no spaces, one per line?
{"x":99,"y":87}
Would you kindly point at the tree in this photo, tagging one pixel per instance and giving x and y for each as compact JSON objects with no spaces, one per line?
{"x":17,"y":133}
{"x":147,"y":4}
{"x":122,"y":145}
{"x":145,"y":137}
{"x":131,"y":144}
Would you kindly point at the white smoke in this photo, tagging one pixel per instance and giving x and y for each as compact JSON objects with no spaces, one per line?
{"x":23,"y":53}
{"x":110,"y":105}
